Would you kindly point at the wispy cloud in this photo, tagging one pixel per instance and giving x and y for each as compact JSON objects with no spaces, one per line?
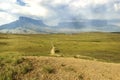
{"x":55,"y":11}
{"x":6,"y":18}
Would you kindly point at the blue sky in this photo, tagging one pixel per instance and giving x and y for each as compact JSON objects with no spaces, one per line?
{"x":54,"y":11}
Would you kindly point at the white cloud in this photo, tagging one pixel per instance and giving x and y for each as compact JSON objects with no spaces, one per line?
{"x":32,"y":8}
{"x":37,"y":11}
{"x":8,"y":1}
{"x":117,"y":6}
{"x":87,"y":3}
{"x":99,"y":1}
{"x":51,"y":10}
{"x":6,"y":18}
{"x":5,"y":6}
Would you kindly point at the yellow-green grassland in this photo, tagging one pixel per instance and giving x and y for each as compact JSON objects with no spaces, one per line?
{"x":82,"y":56}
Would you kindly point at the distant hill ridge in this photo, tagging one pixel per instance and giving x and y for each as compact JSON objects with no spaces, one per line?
{"x":27,"y":25}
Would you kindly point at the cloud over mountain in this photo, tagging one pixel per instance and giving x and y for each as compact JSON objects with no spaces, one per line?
{"x":52,"y":12}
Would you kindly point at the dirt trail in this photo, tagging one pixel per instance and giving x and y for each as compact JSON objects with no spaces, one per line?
{"x":72,"y":69}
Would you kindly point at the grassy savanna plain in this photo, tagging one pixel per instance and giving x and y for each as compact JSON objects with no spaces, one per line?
{"x":100,"y":46}
{"x":17,"y":51}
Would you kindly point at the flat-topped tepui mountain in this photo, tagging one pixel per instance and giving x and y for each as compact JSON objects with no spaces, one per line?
{"x":29,"y":25}
{"x":23,"y":25}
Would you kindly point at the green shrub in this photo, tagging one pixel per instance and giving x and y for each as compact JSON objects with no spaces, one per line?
{"x":26,"y":68}
{"x":80,"y":77}
{"x":49,"y":69}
